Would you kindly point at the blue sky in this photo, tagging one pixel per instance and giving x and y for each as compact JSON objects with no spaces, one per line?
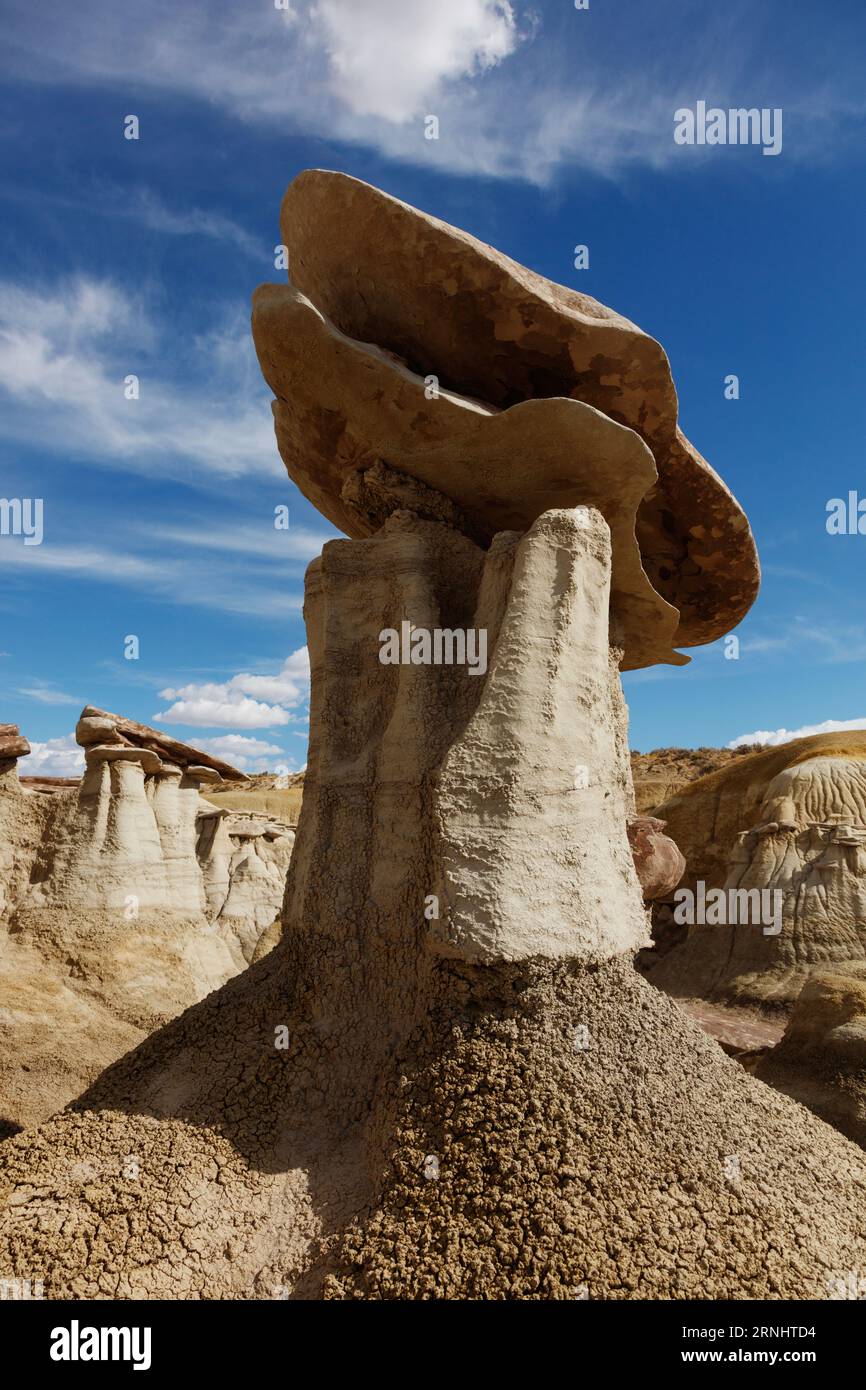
{"x":138,"y":257}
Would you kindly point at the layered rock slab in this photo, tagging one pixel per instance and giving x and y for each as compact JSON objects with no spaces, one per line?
{"x":344,"y":406}
{"x":449,"y":305}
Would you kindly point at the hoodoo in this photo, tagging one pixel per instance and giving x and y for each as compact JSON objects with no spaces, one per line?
{"x":447,"y":1079}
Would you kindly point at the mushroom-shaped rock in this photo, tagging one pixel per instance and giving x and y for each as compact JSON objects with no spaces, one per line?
{"x":97,"y":753}
{"x":455,"y":974}
{"x":453,"y":308}
{"x":202,"y":774}
{"x":658,"y":861}
{"x":502,"y":469}
{"x":13,"y":744}
{"x":101,"y":726}
{"x":92,"y":729}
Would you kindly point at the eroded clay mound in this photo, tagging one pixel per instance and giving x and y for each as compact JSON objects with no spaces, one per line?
{"x":821,"y":1059}
{"x":540,"y":1130}
{"x":788,"y":824}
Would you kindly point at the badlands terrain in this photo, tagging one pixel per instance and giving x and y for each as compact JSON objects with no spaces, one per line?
{"x":433,"y":1025}
{"x":124,"y":898}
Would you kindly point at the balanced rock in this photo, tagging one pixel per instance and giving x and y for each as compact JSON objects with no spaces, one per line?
{"x":447,"y":1080}
{"x":657,"y":859}
{"x":12,"y":746}
{"x":452,"y":308}
{"x":99,"y":726}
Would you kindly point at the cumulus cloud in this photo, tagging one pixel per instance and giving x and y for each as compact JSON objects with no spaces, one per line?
{"x":771,"y":738}
{"x":246,"y":701}
{"x":247,"y":754}
{"x":391,"y":58}
{"x":56,"y":757}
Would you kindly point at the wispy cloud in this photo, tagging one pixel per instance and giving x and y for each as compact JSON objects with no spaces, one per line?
{"x":45,"y":694}
{"x":178,"y":580}
{"x":66,"y":353}
{"x":147,"y":209}
{"x":520,"y":89}
{"x":261,"y":541}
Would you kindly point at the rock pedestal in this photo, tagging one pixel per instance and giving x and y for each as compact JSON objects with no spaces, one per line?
{"x":495,"y":801}
{"x":13,"y":746}
{"x":447,"y":1079}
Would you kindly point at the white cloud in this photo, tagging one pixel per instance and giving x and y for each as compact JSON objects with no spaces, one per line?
{"x":66,"y":351}
{"x":772,"y":738}
{"x":390,"y":58}
{"x":56,"y":757}
{"x":519,"y":92}
{"x":210,"y":710}
{"x":247,"y":754}
{"x":296,"y":543}
{"x":237,"y":745}
{"x":246,"y":701}
{"x":147,"y":209}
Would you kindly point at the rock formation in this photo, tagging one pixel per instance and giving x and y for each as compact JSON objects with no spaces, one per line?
{"x":98,"y":726}
{"x":790,"y":822}
{"x":657,"y":859}
{"x":446,"y":1079}
{"x":821,"y":1058}
{"x":120,"y":905}
{"x":451,"y":308}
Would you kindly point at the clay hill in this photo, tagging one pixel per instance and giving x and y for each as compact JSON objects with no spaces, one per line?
{"x":791,"y":821}
{"x":447,"y":1079}
{"x":272,"y":794}
{"x":124,"y":898}
{"x":658,"y":775}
